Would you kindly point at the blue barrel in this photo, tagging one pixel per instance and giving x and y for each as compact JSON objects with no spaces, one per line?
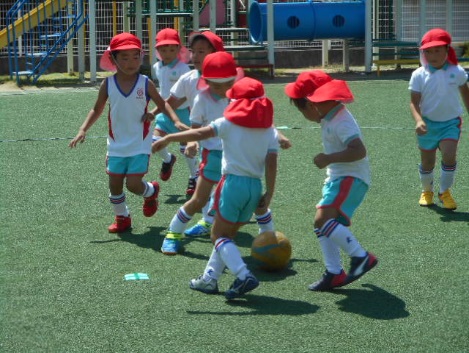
{"x":309,"y":20}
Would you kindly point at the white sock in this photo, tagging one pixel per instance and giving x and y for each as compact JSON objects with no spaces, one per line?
{"x":192,"y":163}
{"x":149,"y":189}
{"x":447,"y":177}
{"x":231,"y":257}
{"x":118,"y":204}
{"x":179,"y":222}
{"x":426,"y":179}
{"x":206,"y":212}
{"x":163,"y":153}
{"x":343,"y":237}
{"x":331,"y":253}
{"x":265,"y":222}
{"x":214,"y":268}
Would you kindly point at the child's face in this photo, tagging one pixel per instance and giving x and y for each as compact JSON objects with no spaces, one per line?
{"x":436,"y":56}
{"x":220,"y":88}
{"x":168,"y":53}
{"x":128,"y":61}
{"x":200,"y":49}
{"x":311,"y":112}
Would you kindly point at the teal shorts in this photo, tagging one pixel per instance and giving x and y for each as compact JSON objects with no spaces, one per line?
{"x":210,"y":165}
{"x":438,"y":131}
{"x":237,"y":197}
{"x":345,"y":195}
{"x":164,"y":123}
{"x":125,"y":166}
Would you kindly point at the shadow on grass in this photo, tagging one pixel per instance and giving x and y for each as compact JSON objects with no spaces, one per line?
{"x":448,"y":215}
{"x":374,"y":302}
{"x":264,"y":305}
{"x":174,"y":199}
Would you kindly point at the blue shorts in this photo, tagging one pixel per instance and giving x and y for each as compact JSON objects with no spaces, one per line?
{"x":237,"y":197}
{"x":344,"y":194}
{"x":164,"y":123}
{"x":125,"y":166}
{"x":210,"y":165}
{"x":438,"y":131}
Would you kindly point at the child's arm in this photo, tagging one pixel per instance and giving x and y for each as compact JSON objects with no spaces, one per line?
{"x":464,"y":90}
{"x":270,"y":178}
{"x":162,"y":105}
{"x":92,"y":116}
{"x":420,"y":126}
{"x":184,"y":136}
{"x":283,"y":141}
{"x":355,"y":151}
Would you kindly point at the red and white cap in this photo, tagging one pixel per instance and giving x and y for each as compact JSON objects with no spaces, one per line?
{"x":219,"y":67}
{"x":122,"y":41}
{"x":437,"y":37}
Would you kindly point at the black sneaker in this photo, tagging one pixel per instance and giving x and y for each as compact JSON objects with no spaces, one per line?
{"x":191,"y":186}
{"x":240,"y":287}
{"x":359,"y":266}
{"x":329,"y":281}
{"x":167,"y":168}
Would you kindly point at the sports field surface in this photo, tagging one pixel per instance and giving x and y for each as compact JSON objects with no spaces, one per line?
{"x":62,"y":286}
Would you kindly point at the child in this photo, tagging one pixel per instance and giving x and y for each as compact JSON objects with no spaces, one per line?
{"x":185,"y":90}
{"x":129,"y":139}
{"x":250,"y":146}
{"x":219,"y":73}
{"x":171,"y":66}
{"x":437,"y":111}
{"x":321,"y":99}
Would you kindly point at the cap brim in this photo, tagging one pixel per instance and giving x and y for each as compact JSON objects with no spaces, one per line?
{"x":436,"y":43}
{"x":167,"y":42}
{"x":292,"y":91}
{"x":335,"y":90}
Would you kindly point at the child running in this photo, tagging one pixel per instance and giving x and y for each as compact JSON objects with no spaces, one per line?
{"x":321,"y":99}
{"x":129,"y":138}
{"x":435,"y":106}
{"x":172,"y":64}
{"x":250,"y":147}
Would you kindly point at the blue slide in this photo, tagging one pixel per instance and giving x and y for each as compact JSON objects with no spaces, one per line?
{"x":309,"y":20}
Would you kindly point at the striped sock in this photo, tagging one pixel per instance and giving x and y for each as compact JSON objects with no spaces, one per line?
{"x":343,"y":237}
{"x":447,"y":177}
{"x":426,"y":179}
{"x":118,"y":204}
{"x":265,"y":222}
{"x":330,"y":252}
{"x":179,"y":222}
{"x":231,"y":257}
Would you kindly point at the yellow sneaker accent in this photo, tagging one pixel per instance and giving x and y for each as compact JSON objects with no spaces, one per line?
{"x":447,"y":200}
{"x":426,"y":199}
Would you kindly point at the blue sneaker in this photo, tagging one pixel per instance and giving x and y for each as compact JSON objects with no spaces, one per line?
{"x":240,"y":287}
{"x":172,"y":243}
{"x":207,"y":287}
{"x":202,"y":228}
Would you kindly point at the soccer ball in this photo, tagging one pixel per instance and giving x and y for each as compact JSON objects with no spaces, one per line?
{"x":271,"y":250}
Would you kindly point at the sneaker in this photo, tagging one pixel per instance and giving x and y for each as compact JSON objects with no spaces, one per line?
{"x":447,"y":200}
{"x":167,"y":168}
{"x":426,"y":199}
{"x":359,"y":266}
{"x":202,"y":228}
{"x":329,"y":281}
{"x":240,"y":287}
{"x":121,"y":224}
{"x":150,"y":204}
{"x":172,"y":243}
{"x":191,"y":186}
{"x":207,"y":287}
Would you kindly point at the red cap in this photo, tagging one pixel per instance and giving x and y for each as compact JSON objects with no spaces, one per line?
{"x":215,"y":41}
{"x":249,"y":106}
{"x":434,"y":38}
{"x":125,"y":41}
{"x":218,"y":67}
{"x":335,"y":90}
{"x":167,"y":36}
{"x":306,"y":83}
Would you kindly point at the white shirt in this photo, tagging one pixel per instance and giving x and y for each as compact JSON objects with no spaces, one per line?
{"x":439,"y":89}
{"x":245,"y":149}
{"x":168,"y":75}
{"x":338,"y":128}
{"x":186,"y":87}
{"x":208,"y":108}
{"x":128,"y":135}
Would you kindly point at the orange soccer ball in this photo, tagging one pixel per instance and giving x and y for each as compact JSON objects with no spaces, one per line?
{"x":271,"y":250}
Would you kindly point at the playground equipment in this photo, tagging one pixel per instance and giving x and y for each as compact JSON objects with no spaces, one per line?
{"x":309,"y":20}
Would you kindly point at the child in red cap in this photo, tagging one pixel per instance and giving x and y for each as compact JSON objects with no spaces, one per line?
{"x":321,"y":99}
{"x":171,"y":65}
{"x":435,"y":106}
{"x":250,"y":147}
{"x":129,"y":139}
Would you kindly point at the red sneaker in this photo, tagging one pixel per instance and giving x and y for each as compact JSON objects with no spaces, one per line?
{"x":191,"y":186}
{"x":150,"y":204}
{"x":121,"y":224}
{"x":167,"y":168}
{"x":329,"y":281}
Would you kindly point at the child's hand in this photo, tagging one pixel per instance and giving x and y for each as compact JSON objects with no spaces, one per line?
{"x":181,"y":126}
{"x":191,"y":150}
{"x":321,"y":160}
{"x":421,"y":128}
{"x":79,"y":138}
{"x":284,"y":142}
{"x":148,"y":117}
{"x":159,"y":145}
